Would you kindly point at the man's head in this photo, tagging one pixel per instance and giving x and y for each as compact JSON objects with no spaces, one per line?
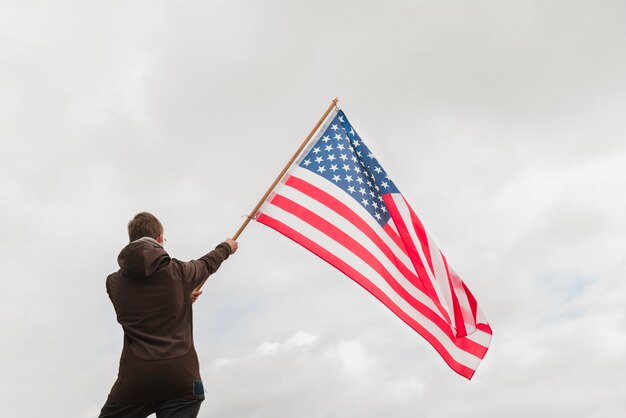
{"x":145,"y":224}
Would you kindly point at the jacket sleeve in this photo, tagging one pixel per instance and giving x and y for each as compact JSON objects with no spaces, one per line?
{"x":197,"y":271}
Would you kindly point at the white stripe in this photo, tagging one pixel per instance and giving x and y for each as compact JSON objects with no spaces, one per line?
{"x":480,"y":337}
{"x":405,"y":215}
{"x":466,"y":309}
{"x":441,"y":276}
{"x":467,"y":359}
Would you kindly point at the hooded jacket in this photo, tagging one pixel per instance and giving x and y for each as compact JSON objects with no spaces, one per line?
{"x":151,"y":294}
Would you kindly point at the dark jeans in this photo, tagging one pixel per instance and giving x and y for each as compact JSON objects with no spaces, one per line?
{"x":176,"y":408}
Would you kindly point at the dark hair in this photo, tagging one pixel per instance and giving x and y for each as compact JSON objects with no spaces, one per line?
{"x":144,"y":224}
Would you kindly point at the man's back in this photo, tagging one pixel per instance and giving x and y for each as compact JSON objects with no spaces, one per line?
{"x":151,"y":300}
{"x":151,"y":295}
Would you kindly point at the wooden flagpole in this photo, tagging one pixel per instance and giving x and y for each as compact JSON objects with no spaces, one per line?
{"x":282,"y":173}
{"x":284,"y":170}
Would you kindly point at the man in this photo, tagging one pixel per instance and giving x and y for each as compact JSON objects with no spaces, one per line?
{"x":152,"y":296}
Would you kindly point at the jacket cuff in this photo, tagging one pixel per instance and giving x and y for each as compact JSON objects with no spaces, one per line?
{"x":226,"y":247}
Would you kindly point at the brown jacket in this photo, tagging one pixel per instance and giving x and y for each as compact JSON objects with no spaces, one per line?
{"x":151,"y":295}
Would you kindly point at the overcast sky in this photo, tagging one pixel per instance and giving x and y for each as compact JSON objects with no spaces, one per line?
{"x":501,"y":122}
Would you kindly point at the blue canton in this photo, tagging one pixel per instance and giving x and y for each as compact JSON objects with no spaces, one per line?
{"x":341,"y":157}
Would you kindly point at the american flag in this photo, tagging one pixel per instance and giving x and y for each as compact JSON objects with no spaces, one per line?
{"x":338,"y":202}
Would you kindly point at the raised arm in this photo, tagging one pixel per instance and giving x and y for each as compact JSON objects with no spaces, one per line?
{"x":195,"y":272}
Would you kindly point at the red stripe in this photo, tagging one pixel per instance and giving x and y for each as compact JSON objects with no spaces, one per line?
{"x":393,"y":234}
{"x":421,"y":234}
{"x":459,"y":321}
{"x":484,"y":328}
{"x":356,"y":248}
{"x":472,"y":302}
{"x":348,"y":214}
{"x":369,"y":286}
{"x":415,"y":258}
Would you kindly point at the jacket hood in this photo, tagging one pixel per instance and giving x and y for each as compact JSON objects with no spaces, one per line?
{"x":141,"y":258}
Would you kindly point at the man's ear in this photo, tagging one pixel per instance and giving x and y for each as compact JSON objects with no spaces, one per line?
{"x":159,"y":238}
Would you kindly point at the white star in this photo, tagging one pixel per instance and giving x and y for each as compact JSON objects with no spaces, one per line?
{"x":306,"y":163}
{"x":356,"y":143}
{"x":331,"y":157}
{"x":340,"y":118}
{"x":321,"y":169}
{"x":334,"y":127}
{"x":337,"y":136}
{"x":351,"y":131}
{"x":362,"y":191}
{"x":384,"y":209}
{"x":348,"y":179}
{"x":343,"y":157}
{"x":381,"y":199}
{"x":376,"y":187}
{"x":326,"y":138}
{"x":371,"y":193}
{"x":384,"y":184}
{"x":375,"y":205}
{"x":341,"y":147}
{"x":346,"y":167}
{"x":319,"y":160}
{"x":365,"y":202}
{"x":351,"y":189}
{"x":317,"y":150}
{"x":353,"y":158}
{"x":377,"y":216}
{"x":369,"y":154}
{"x":378,"y":170}
{"x":334,"y":167}
{"x":359,"y":180}
{"x":336,"y":178}
{"x":369,"y":183}
{"x":329,"y":148}
{"x":357,"y":168}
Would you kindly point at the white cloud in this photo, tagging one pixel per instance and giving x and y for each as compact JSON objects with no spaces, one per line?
{"x":302,"y":338}
{"x":268,"y":348}
{"x":351,"y":357}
